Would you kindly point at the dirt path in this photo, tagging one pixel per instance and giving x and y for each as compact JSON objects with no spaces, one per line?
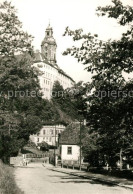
{"x":36,"y":179}
{"x":30,"y":179}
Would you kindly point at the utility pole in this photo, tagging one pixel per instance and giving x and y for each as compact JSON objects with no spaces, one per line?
{"x":54,"y":148}
{"x":121,"y":159}
{"x":84,"y":123}
{"x":80,"y":148}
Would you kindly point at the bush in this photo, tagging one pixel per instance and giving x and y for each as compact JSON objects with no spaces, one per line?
{"x":43,"y":146}
{"x":113,"y":172}
{"x":7,"y":181}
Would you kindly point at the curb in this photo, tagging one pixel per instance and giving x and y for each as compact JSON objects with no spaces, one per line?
{"x":93,"y":178}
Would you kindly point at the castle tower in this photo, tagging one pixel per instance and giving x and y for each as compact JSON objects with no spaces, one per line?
{"x":48,"y":46}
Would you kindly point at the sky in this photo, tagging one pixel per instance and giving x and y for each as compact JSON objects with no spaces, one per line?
{"x":36,"y":14}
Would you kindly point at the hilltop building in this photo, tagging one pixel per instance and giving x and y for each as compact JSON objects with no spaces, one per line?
{"x":50,"y":72}
{"x":49,"y":134}
{"x":46,"y":62}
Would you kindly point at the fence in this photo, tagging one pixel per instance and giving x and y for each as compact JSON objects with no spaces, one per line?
{"x":36,"y":155}
{"x":74,"y":164}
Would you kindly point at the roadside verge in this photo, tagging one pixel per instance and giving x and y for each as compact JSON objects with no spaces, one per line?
{"x":103,"y":179}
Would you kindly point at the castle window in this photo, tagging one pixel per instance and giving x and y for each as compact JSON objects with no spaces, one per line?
{"x":50,"y":139}
{"x":56,"y":132}
{"x":47,"y":33}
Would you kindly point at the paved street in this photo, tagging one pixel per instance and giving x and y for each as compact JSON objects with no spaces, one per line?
{"x":36,"y":179}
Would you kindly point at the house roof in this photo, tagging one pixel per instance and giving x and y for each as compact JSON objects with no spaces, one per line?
{"x":39,"y":57}
{"x":70,"y":135}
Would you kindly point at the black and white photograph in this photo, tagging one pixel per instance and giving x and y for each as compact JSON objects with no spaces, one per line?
{"x":66,"y":96}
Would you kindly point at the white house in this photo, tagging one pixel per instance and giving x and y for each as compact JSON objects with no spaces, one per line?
{"x":70,"y":152}
{"x":69,"y":143}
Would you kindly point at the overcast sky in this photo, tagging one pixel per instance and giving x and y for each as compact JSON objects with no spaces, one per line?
{"x":35,"y":16}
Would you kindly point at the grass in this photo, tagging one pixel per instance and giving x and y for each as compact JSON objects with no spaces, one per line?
{"x":7,"y":181}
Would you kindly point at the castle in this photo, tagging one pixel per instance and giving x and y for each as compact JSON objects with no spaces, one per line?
{"x":50,"y":72}
{"x":46,"y":62}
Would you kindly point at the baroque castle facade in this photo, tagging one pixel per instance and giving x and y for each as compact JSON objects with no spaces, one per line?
{"x":46,"y":62}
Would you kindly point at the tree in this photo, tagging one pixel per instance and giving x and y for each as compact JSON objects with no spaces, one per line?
{"x":71,"y":101}
{"x":44,"y":146}
{"x":110,"y":99}
{"x":49,"y":112}
{"x":20,"y":97}
{"x":78,"y":96}
{"x":91,"y":149}
{"x":13,"y":40}
{"x":58,"y":92}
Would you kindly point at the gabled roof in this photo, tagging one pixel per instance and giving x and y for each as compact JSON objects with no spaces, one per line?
{"x":71,"y":135}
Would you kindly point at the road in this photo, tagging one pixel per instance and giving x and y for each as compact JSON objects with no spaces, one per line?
{"x":36,"y":179}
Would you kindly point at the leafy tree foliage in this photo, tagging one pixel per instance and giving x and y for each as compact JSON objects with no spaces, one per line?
{"x":70,"y":101}
{"x":13,"y":39}
{"x":43,"y":146}
{"x":110,"y":95}
{"x":20,"y":99}
{"x":58,"y":93}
